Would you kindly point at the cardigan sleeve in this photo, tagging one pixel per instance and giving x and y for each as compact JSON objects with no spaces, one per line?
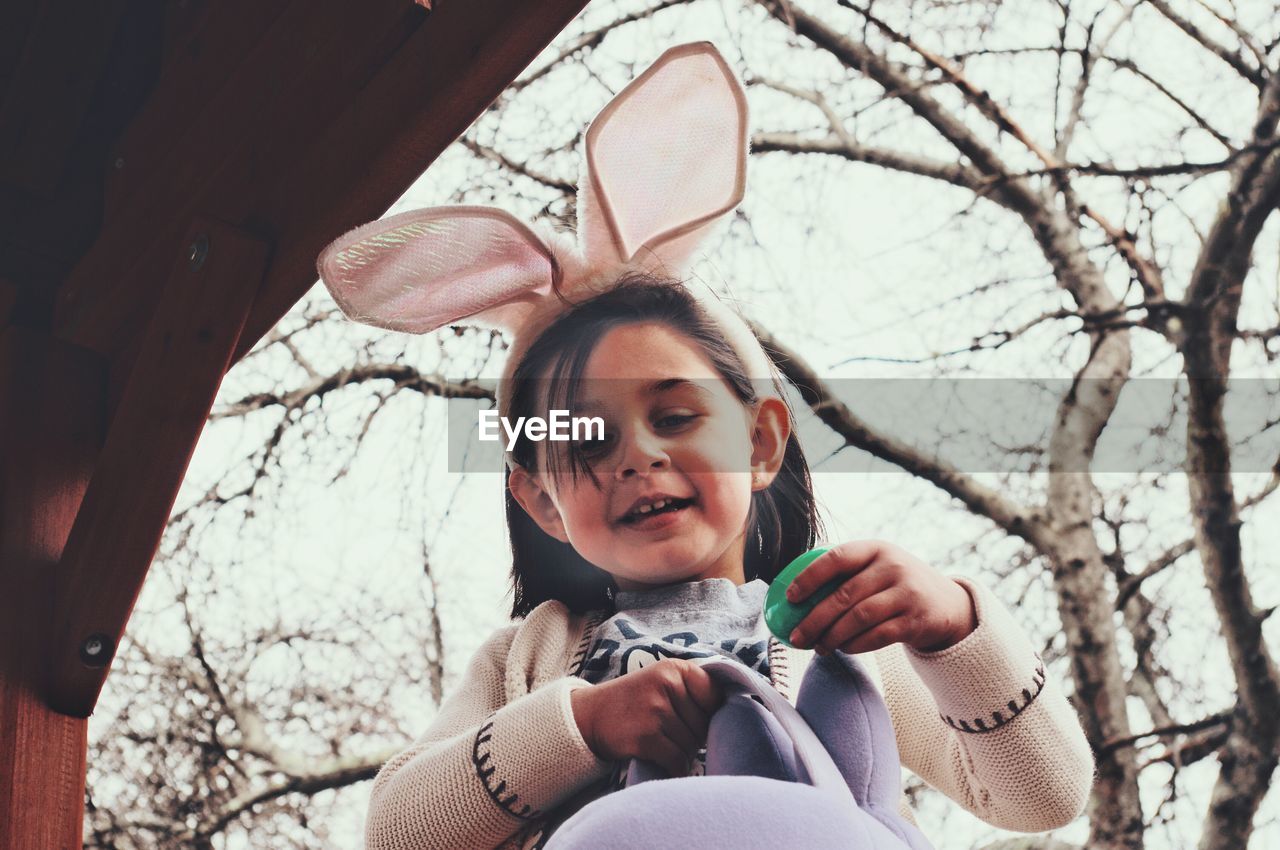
{"x":983,"y":723}
{"x":483,"y":769}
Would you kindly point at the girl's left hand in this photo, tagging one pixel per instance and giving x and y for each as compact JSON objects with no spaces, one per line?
{"x":890,"y":596}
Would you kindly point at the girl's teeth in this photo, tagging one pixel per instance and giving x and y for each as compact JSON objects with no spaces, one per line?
{"x":648,"y":509}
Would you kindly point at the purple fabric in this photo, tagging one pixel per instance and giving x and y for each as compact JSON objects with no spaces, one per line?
{"x":847,"y":713}
{"x":738,"y":746}
{"x":752,"y":795}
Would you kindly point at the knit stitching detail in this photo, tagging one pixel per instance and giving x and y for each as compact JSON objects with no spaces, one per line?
{"x":481,"y":760}
{"x":1016,"y":706}
{"x":580,"y":655}
{"x":778,"y":670}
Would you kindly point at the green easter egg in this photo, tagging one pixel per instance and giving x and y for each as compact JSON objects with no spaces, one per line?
{"x":782,"y":616}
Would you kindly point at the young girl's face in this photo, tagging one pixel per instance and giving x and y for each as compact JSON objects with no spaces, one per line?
{"x":673,"y":428}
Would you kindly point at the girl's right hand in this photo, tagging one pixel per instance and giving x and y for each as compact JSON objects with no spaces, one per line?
{"x":659,"y":713}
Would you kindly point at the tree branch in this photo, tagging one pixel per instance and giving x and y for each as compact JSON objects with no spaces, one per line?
{"x":1232,"y":58}
{"x":953,"y":173}
{"x":982,"y":500}
{"x":1250,"y":755}
{"x":1148,"y":273}
{"x":1118,"y":62}
{"x":515,"y":167}
{"x":406,"y":377}
{"x":335,"y":773}
{"x":1214,"y":720}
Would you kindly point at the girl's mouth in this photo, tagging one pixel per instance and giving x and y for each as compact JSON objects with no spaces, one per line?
{"x":666,"y":516}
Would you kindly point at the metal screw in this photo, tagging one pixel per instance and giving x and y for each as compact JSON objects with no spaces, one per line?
{"x":95,"y":650}
{"x":199,"y":251}
{"x":119,"y":163}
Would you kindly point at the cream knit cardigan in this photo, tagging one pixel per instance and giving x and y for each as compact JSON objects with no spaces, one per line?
{"x":979,"y":721}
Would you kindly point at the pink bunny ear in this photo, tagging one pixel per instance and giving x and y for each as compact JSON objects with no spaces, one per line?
{"x":421,"y":270}
{"x":664,"y":160}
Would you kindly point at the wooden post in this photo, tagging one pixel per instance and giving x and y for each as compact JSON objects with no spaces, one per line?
{"x":52,"y":397}
{"x":183,"y":357}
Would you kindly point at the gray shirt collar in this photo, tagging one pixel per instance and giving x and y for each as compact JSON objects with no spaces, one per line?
{"x":715,"y":594}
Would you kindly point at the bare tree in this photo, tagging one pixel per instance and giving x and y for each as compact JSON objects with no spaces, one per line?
{"x":1107,"y":251}
{"x":1201,"y":324}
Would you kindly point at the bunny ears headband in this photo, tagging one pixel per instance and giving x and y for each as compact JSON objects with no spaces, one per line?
{"x":664,"y":162}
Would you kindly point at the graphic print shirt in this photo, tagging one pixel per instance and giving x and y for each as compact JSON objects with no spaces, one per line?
{"x":697,"y":619}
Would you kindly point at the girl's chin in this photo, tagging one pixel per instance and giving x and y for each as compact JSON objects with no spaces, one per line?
{"x":657,"y":567}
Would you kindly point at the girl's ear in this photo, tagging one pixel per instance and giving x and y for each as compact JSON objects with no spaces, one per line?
{"x":537,"y":503}
{"x":769,"y":441}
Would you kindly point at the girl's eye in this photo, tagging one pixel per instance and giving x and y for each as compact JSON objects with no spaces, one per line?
{"x":591,"y":448}
{"x":597,"y":447}
{"x":679,"y":418}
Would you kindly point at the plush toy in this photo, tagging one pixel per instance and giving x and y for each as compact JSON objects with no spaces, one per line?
{"x":823,"y":774}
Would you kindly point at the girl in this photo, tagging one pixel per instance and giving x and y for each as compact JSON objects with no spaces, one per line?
{"x":641,"y":557}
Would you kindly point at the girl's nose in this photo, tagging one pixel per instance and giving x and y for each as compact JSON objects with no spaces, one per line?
{"x":643,"y":452}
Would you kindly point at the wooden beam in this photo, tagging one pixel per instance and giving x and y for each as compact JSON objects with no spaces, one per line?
{"x":204,"y":44}
{"x":215,"y":154}
{"x":322,"y":128}
{"x":8,"y":298}
{"x":53,"y":83}
{"x":190,"y":26}
{"x":50,"y":432}
{"x":16,"y":17}
{"x":181,"y":361}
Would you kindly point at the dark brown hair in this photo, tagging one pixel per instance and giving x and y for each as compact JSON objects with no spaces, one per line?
{"x":783,"y":521}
